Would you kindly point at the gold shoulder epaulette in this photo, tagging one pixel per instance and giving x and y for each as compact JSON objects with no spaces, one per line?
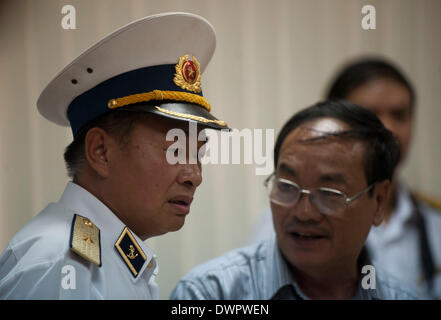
{"x":85,"y":239}
{"x":433,"y":202}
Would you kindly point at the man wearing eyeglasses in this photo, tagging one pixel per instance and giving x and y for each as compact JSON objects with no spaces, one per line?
{"x":333,"y":166}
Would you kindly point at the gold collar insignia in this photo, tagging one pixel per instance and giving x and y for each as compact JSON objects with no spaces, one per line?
{"x":130,"y":251}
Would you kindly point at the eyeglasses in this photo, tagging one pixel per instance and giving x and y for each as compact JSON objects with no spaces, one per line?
{"x":328,"y":201}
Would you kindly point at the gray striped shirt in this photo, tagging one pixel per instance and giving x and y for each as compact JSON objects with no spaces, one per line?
{"x":259,"y":272}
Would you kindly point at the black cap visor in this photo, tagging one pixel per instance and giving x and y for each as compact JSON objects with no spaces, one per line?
{"x":181,"y":111}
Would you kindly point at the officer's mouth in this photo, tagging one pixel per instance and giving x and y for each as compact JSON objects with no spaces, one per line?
{"x":181,"y":204}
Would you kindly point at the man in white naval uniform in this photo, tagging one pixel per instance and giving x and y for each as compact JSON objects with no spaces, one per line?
{"x":41,"y":264}
{"x":124,"y":190}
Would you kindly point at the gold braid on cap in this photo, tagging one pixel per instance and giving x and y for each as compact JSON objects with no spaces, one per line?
{"x":159,"y":95}
{"x":191,"y":117}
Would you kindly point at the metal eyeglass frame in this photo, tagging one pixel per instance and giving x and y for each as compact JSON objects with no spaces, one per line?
{"x":306,"y":191}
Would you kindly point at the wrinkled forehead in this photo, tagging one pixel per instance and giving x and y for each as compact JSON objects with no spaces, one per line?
{"x":322,"y":137}
{"x":317,"y":147}
{"x":317,"y":129}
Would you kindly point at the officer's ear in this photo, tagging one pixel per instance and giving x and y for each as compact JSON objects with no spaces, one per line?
{"x":381,"y":196}
{"x":97,"y":144}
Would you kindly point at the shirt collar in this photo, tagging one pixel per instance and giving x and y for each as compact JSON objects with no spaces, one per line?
{"x":282,"y":274}
{"x":85,"y":204}
{"x":404,"y":207}
{"x":279,"y":275}
{"x":399,"y":219}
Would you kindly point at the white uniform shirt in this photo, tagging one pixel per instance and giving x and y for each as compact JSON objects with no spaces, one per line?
{"x":39,"y":264}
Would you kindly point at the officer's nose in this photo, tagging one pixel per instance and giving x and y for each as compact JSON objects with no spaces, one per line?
{"x":305,"y":211}
{"x":190,"y":175}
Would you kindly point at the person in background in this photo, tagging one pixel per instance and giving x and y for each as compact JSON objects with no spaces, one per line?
{"x":408,"y":243}
{"x":333,"y":166}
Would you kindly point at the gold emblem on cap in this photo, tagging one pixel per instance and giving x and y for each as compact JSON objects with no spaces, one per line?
{"x":188,"y":74}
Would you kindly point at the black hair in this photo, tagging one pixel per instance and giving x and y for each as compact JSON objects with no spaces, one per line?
{"x":382,"y":150}
{"x":118,"y":123}
{"x":362,"y":71}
